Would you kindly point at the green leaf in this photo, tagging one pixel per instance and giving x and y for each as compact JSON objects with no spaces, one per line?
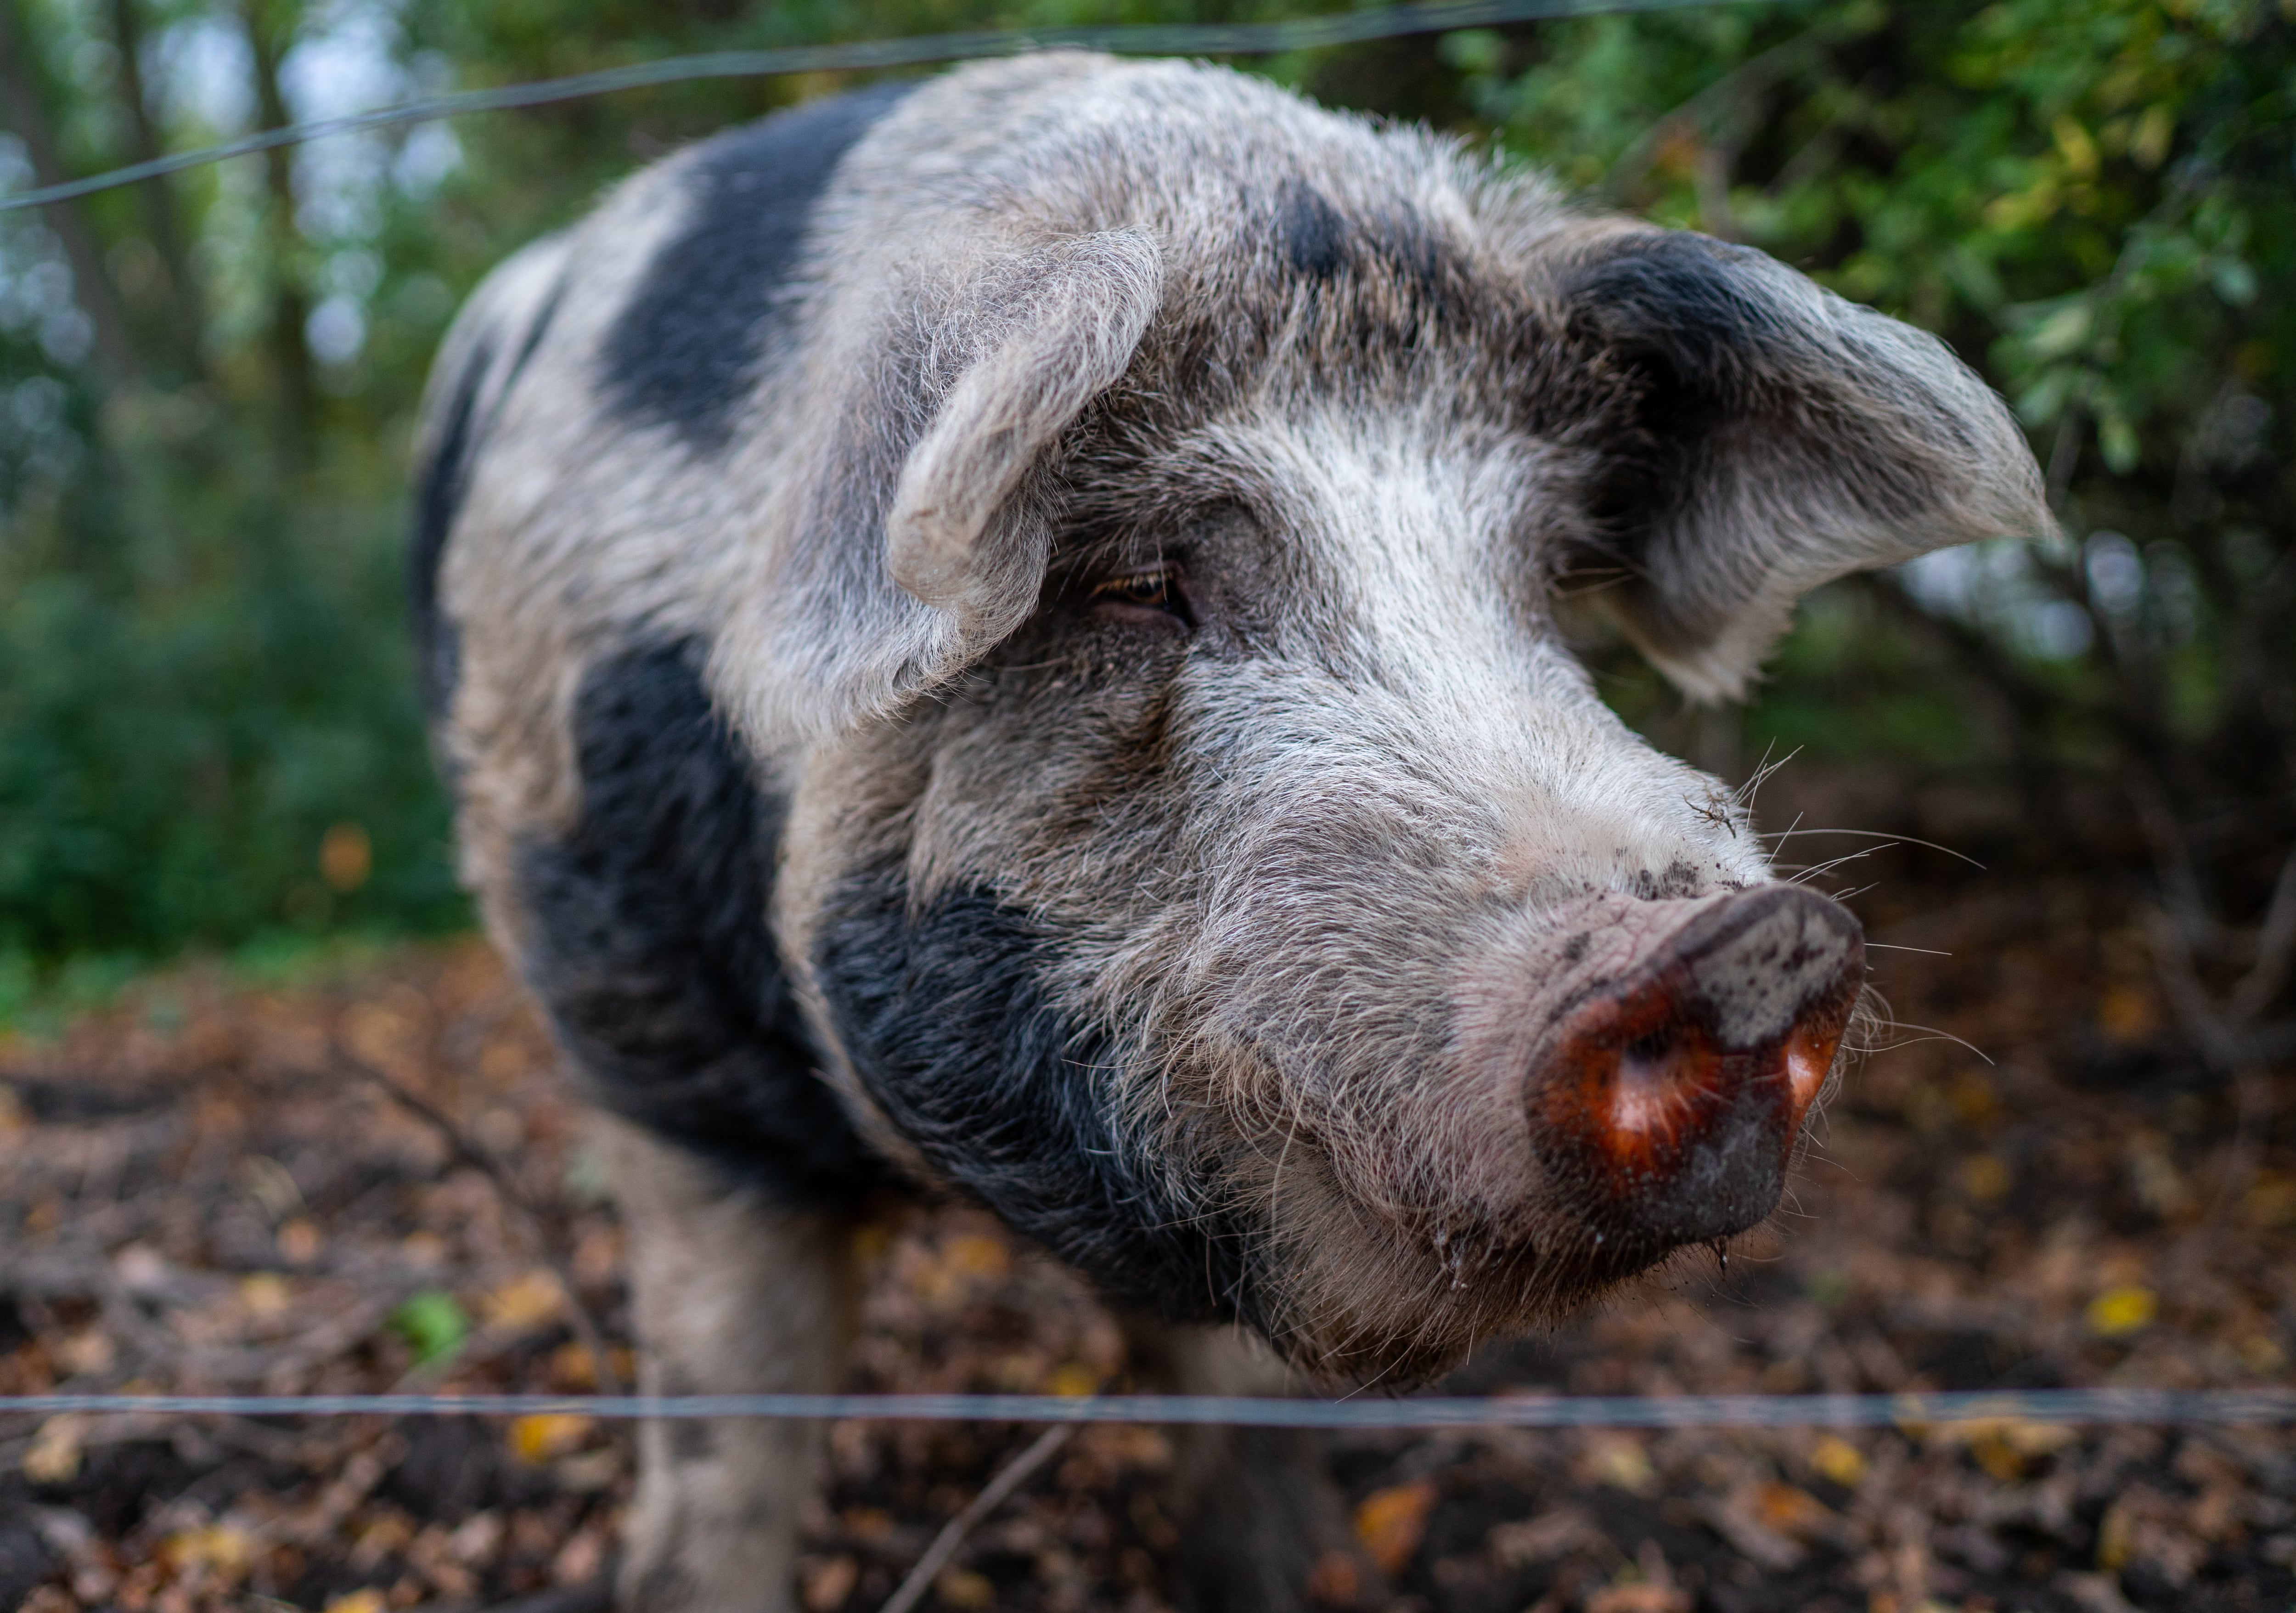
{"x":433,"y":1323}
{"x":2064,"y":330}
{"x":2234,"y":280}
{"x":2116,"y":439}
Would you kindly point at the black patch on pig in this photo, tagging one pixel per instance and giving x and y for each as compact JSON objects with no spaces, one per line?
{"x":650,"y":942}
{"x":685,"y":350}
{"x":1310,"y":231}
{"x":951,"y":1023}
{"x":1679,"y":304}
{"x":439,"y":484}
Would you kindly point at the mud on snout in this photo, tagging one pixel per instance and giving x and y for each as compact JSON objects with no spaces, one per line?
{"x":1632,"y":1076}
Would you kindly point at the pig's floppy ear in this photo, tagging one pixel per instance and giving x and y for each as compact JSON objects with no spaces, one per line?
{"x":1775,"y":437}
{"x":928,"y":547}
{"x":1059,"y":331}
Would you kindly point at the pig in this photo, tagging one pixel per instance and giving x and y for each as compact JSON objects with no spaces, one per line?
{"x":1005,"y":636}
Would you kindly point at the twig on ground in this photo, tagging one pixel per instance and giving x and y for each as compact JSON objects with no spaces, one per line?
{"x":2276,"y":948}
{"x":462,"y":1148}
{"x":937,"y":1556}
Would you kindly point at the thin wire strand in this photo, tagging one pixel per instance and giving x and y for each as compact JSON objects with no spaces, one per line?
{"x":2068,"y":1406}
{"x":1143,"y":39}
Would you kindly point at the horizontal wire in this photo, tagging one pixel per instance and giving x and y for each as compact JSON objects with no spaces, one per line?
{"x":1138,"y":39}
{"x":2068,"y":1406}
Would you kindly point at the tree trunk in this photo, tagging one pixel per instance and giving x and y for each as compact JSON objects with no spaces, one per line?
{"x":25,"y":109}
{"x":185,"y":317}
{"x":290,"y":352}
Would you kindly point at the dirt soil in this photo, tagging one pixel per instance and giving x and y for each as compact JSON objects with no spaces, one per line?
{"x":197,"y":1193}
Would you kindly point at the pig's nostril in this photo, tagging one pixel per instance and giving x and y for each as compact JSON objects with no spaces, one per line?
{"x":1657,"y":1083}
{"x":1673,"y":1098}
{"x":1809,"y":1058}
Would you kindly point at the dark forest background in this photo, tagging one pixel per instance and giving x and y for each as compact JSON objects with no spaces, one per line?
{"x":209,"y":738}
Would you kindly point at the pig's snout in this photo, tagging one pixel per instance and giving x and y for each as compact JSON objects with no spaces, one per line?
{"x":1673,"y":1093}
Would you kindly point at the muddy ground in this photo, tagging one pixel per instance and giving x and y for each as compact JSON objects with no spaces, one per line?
{"x":198,"y":1192}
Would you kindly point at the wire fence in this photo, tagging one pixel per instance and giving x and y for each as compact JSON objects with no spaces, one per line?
{"x":1135,"y":39}
{"x":2213,"y":1407}
{"x":2072,"y":1406}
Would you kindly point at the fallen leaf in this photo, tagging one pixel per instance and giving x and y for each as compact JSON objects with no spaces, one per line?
{"x":89,"y":1350}
{"x":972,"y":1254}
{"x":1791,"y":1510}
{"x":540,"y":1436}
{"x":301,"y":1241}
{"x":828,"y":1583}
{"x":1072,"y":1378}
{"x":964,"y":1588}
{"x":265,"y":1294}
{"x":219,"y":1548}
{"x":1389,"y":1523}
{"x":433,"y":1323}
{"x":2121,"y":1311}
{"x":1542,"y":1539}
{"x":579,"y":1561}
{"x":527,"y":1303}
{"x":1619,"y":1460}
{"x":1836,"y":1458}
{"x":357,"y":1601}
{"x":1336,"y":1581}
{"x":53,"y":1456}
{"x":1638,"y":1596}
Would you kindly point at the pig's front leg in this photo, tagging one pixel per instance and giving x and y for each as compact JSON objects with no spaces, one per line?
{"x":1263,"y":1528}
{"x":731,"y":1296}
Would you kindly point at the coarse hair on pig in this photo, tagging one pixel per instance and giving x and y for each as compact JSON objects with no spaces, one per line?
{"x":1000,"y":636}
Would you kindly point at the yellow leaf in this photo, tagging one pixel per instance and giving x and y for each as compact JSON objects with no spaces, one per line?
{"x":1838,"y":1459}
{"x":1389,"y":1523}
{"x":54,"y":1453}
{"x":528,"y":1302}
{"x":2121,"y":1311}
{"x":2075,"y":145}
{"x":972,"y":1254}
{"x":963,"y":1588}
{"x":1984,"y":1178}
{"x":265,"y":1294}
{"x":539,"y":1436}
{"x":2149,"y":145}
{"x":1072,"y":1378}
{"x":1619,"y":1460}
{"x":357,"y":1601}
{"x":219,"y":1547}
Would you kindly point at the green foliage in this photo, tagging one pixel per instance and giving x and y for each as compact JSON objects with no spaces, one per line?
{"x":2094,"y":200}
{"x":434,"y":1325}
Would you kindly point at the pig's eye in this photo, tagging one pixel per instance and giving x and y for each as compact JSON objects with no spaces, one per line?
{"x":1144,"y":594}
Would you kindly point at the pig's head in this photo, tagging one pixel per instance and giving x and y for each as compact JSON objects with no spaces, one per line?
{"x":1203,"y":846}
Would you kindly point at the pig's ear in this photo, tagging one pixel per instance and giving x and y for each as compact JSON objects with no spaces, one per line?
{"x":1774,"y":436}
{"x":969,"y":394}
{"x":1058,"y":330}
